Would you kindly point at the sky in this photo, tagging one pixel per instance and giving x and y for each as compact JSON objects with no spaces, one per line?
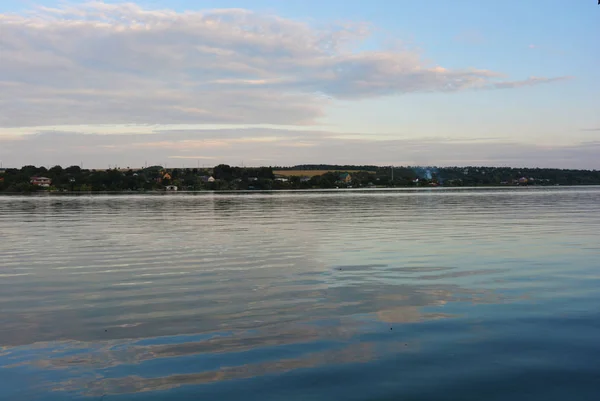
{"x":185,"y":83}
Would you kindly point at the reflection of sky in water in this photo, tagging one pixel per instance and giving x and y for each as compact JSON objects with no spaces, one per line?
{"x":173,"y":296}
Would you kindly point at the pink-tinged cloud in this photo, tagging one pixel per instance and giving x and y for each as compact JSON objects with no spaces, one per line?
{"x":103,"y":63}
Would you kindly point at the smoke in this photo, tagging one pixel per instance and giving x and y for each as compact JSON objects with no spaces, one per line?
{"x":428,"y":173}
{"x":425,"y":172}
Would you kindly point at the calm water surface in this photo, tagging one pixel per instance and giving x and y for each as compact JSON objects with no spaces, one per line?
{"x":375,"y":295}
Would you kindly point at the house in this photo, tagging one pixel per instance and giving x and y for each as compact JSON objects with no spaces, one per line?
{"x":167,"y":176}
{"x":281,"y":179}
{"x":304,"y":179}
{"x":346,"y":178}
{"x":171,"y":188}
{"x":206,"y":178}
{"x":41,"y":181}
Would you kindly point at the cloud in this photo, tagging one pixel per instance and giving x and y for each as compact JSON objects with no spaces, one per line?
{"x":284,"y":147}
{"x":193,"y":157}
{"x":122,"y":64}
{"x":528,"y":82}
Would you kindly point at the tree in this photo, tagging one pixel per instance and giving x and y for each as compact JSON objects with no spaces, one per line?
{"x":56,"y":171}
{"x":223,"y":172}
{"x":73,"y":170}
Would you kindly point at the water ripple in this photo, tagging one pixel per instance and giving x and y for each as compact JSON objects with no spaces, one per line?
{"x":320,"y":295}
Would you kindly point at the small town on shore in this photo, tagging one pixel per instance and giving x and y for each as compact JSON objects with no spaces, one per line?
{"x":226,"y":178}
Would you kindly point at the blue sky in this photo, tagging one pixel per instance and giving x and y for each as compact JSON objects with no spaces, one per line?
{"x":405,"y":81}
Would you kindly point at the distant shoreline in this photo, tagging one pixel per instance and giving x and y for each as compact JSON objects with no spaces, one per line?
{"x":328,"y":190}
{"x":158,"y":179}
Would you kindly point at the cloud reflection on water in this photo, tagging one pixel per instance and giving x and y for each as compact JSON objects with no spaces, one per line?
{"x":243,"y":286}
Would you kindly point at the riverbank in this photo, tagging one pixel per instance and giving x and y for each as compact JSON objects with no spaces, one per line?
{"x":318,"y":177}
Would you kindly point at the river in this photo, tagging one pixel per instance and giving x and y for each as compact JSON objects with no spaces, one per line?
{"x":435,"y":294}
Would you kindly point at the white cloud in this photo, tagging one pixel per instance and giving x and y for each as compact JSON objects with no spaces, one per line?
{"x":121,"y":64}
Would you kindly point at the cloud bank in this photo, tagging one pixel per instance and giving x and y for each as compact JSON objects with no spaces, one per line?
{"x":256,"y":147}
{"x":121,"y":64}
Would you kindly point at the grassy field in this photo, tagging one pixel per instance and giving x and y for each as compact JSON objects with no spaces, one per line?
{"x":310,"y":173}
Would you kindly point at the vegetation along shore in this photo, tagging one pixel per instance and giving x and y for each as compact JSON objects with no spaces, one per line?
{"x":224,"y":177}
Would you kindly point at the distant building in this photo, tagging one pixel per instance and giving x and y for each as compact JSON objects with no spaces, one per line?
{"x":281,"y":179}
{"x":171,"y":188}
{"x":167,"y":176}
{"x":345,"y":177}
{"x":304,"y":179}
{"x":2,"y":170}
{"x":41,"y":181}
{"x":206,"y":178}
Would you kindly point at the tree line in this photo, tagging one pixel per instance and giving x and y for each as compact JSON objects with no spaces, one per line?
{"x":225,"y":177}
